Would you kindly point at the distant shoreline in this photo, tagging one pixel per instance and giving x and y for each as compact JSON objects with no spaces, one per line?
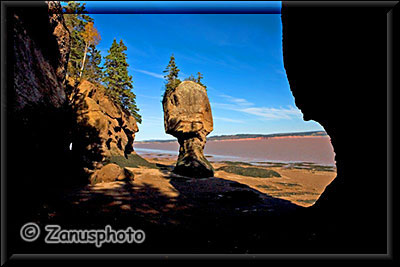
{"x":263,"y":138}
{"x":240,"y":139}
{"x":245,"y":137}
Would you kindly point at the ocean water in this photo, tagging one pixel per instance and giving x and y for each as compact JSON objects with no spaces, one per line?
{"x":317,"y":150}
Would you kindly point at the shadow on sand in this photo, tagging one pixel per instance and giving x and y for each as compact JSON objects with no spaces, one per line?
{"x":209,"y":215}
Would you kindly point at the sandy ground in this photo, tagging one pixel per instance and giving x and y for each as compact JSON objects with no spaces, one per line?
{"x":158,"y":196}
{"x":299,"y":186}
{"x":227,"y":213}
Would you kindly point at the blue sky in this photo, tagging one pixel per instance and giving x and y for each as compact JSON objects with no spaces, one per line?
{"x":240,"y":56}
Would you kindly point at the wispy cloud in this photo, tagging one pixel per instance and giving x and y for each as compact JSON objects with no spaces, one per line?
{"x":235,"y":100}
{"x":273,"y":113}
{"x":159,"y":76}
{"x":269,"y":113}
{"x":228,"y":120}
{"x":156,"y":75}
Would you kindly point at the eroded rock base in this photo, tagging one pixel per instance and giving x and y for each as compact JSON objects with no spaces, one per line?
{"x":191,"y":161}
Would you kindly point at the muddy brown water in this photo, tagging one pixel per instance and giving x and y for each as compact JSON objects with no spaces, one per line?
{"x":317,"y":149}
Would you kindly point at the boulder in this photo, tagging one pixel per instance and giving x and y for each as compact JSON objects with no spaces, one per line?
{"x":110,"y":173}
{"x":188,"y":117}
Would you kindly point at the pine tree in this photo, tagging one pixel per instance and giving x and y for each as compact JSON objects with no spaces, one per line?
{"x":74,"y":7}
{"x":199,"y":77}
{"x":117,"y":80}
{"x":191,"y":78}
{"x":93,"y":72}
{"x":76,"y":20}
{"x":172,"y":75}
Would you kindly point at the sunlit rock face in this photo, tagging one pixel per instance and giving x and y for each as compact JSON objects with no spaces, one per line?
{"x":188,"y":117}
{"x":105,"y":127}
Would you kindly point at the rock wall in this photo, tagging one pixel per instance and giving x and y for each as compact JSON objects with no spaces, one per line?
{"x":67,"y":132}
{"x":40,"y":122}
{"x":62,"y":36}
{"x":41,"y":48}
{"x":188,"y":117}
{"x":38,"y":117}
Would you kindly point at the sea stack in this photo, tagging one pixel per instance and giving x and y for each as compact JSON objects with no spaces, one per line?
{"x":187,"y":116}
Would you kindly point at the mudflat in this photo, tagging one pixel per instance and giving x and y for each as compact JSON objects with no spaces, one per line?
{"x":300,"y":183}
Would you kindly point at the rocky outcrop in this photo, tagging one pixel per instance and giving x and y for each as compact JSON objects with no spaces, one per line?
{"x":62,"y":35}
{"x":188,"y":117}
{"x":103,"y":132}
{"x":41,"y":43}
{"x":113,"y":129}
{"x":70,"y":129}
{"x":78,"y":129}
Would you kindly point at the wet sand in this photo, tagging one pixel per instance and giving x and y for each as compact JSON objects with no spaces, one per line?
{"x":302,"y":183}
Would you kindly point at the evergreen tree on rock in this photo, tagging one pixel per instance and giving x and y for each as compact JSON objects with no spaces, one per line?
{"x":171,"y":76}
{"x":118,"y":81}
{"x":76,"y":20}
{"x":191,"y":78}
{"x":93,"y":72}
{"x":199,"y":77}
